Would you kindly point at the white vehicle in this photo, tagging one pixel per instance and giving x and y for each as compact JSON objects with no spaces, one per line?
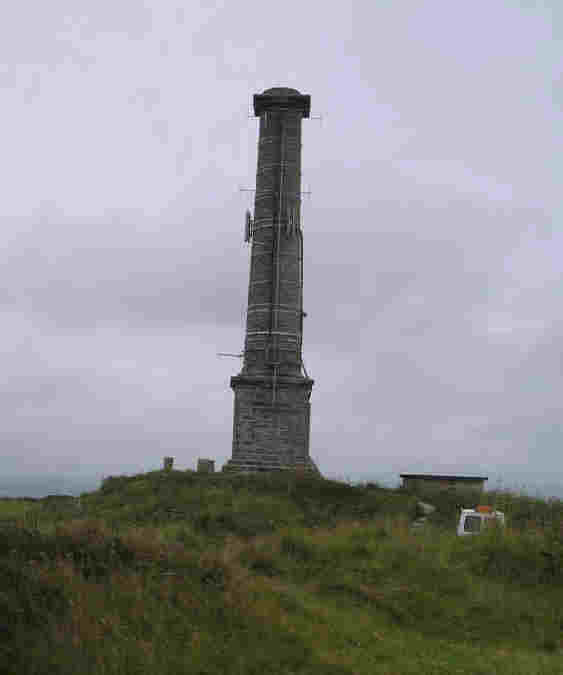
{"x":474,"y":521}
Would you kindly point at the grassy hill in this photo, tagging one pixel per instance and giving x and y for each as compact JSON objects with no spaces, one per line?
{"x":180,"y":572}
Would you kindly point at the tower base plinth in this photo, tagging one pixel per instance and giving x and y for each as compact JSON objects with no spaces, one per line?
{"x":271,"y":424}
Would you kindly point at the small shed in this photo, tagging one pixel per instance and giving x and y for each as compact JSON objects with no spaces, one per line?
{"x":427,"y":482}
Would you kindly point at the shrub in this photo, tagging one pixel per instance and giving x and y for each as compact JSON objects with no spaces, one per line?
{"x":260,"y":561}
{"x":297,"y":548}
{"x":519,"y":559}
{"x":27,"y":608}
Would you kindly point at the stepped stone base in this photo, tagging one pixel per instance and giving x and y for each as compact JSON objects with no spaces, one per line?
{"x":254,"y":463}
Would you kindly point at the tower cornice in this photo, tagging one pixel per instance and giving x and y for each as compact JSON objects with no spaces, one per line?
{"x":273,"y":100}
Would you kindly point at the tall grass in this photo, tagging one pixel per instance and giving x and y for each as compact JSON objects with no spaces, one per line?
{"x":182,"y":573}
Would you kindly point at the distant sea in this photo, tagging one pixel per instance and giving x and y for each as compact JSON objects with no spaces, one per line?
{"x":41,"y":486}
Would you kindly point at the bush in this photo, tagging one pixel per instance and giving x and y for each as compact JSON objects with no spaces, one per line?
{"x":260,"y":562}
{"x":520,"y":559}
{"x":297,"y":548}
{"x":27,"y":609}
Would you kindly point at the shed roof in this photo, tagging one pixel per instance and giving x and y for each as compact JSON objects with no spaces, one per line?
{"x":434,"y":476}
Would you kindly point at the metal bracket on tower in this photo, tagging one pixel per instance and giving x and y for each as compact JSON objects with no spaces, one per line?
{"x":301,"y":192}
{"x":251,"y":115}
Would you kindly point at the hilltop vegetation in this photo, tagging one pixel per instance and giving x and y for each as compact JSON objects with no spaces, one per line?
{"x":181,"y":572}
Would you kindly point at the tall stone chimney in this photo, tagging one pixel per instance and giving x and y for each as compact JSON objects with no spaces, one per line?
{"x":272,"y":391}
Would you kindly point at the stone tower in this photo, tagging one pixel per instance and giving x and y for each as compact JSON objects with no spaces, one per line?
{"x":272,"y":391}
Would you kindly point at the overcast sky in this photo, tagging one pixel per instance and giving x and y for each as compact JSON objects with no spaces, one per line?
{"x":433,"y":238}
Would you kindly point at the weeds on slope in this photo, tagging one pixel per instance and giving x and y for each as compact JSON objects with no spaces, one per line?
{"x":216,"y":592}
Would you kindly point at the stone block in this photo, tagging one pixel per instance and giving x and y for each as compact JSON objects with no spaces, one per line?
{"x":206,"y":465}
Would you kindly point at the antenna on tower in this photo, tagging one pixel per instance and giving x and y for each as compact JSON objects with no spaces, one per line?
{"x":292,"y":223}
{"x":306,"y":193}
{"x":317,"y":117}
{"x":248,"y":223}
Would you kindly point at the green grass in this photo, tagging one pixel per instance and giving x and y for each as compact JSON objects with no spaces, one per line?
{"x":181,"y":572}
{"x":15,"y":510}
